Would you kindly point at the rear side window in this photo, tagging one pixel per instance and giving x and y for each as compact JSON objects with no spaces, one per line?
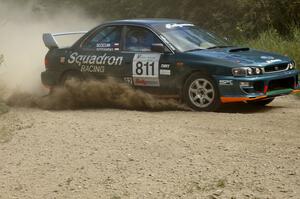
{"x":105,"y":39}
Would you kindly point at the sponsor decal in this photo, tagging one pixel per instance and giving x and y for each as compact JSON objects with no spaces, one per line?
{"x":128,"y":80}
{"x":62,"y":60}
{"x":108,"y":47}
{"x":177,"y":25}
{"x":165,"y":72}
{"x":267,"y":57}
{"x":95,"y":59}
{"x":146,"y":81}
{"x":105,"y":49}
{"x":92,"y":69}
{"x":225,"y":82}
{"x":140,"y":82}
{"x":273,"y":61}
{"x":103,"y":45}
{"x":165,"y":66}
{"x":270,"y":59}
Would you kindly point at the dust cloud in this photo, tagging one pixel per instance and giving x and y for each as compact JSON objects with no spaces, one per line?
{"x":94,"y":94}
{"x":21,"y":28}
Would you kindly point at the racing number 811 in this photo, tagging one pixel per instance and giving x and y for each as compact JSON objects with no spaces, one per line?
{"x":149,"y":68}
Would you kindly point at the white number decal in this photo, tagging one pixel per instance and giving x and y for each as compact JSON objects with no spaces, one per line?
{"x":145,"y":65}
{"x":145,"y":69}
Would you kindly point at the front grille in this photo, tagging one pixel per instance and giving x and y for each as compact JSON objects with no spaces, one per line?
{"x":276,"y":68}
{"x":281,"y":84}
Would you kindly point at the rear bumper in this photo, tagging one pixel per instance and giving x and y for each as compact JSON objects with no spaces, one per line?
{"x":242,"y":89}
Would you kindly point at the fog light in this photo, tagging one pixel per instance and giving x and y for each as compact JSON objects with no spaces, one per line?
{"x":245,"y":84}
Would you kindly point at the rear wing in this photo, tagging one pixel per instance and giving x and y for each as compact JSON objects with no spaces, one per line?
{"x":50,"y":41}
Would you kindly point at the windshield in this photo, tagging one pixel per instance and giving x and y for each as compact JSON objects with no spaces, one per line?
{"x":187,"y":37}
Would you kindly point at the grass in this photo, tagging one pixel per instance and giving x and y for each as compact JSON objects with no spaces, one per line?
{"x":272,"y":41}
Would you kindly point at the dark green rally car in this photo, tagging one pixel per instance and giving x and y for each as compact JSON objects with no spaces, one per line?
{"x":172,"y":58}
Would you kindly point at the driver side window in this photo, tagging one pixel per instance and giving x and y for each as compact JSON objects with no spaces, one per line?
{"x":106,"y":39}
{"x":139,"y":39}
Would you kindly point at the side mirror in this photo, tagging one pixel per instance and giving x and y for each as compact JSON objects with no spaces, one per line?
{"x":159,"y":48}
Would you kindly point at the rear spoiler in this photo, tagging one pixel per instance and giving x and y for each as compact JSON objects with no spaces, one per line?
{"x":50,"y":41}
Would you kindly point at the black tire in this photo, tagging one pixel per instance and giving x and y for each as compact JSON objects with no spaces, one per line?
{"x":262,"y":102}
{"x":201,"y":93}
{"x":71,"y":75}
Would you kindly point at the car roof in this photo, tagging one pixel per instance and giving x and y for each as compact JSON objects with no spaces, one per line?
{"x":149,"y":22}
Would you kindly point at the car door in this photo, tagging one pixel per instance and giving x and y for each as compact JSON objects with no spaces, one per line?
{"x":99,"y":54}
{"x":148,"y":70}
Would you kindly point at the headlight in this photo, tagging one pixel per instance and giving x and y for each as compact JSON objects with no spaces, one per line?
{"x":258,"y":71}
{"x":239,"y":71}
{"x":246,"y":71}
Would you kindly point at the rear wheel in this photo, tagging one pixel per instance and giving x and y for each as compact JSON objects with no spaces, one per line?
{"x":71,"y":75}
{"x":67,"y":76}
{"x":262,"y":102}
{"x":201,"y":93}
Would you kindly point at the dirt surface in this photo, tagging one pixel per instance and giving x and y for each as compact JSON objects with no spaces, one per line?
{"x":240,"y":152}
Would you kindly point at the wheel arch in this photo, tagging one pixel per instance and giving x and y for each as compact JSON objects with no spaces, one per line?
{"x":193,"y":72}
{"x":63,"y":74}
{"x":215,"y":104}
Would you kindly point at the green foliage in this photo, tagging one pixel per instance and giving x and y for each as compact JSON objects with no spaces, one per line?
{"x":271,"y":40}
{"x":230,"y":18}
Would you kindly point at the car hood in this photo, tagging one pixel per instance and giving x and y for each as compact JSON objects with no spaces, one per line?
{"x":243,"y":56}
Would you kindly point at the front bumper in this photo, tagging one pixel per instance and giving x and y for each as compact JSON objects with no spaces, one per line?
{"x":239,"y":89}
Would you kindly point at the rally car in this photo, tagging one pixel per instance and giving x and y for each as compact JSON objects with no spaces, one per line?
{"x":172,"y":58}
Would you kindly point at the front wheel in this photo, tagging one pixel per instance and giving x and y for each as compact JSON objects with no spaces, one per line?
{"x":201,"y":93}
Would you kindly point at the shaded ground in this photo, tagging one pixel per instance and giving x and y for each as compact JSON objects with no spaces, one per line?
{"x":237,"y":153}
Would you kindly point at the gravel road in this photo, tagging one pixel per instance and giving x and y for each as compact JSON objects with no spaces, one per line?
{"x":240,"y":152}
